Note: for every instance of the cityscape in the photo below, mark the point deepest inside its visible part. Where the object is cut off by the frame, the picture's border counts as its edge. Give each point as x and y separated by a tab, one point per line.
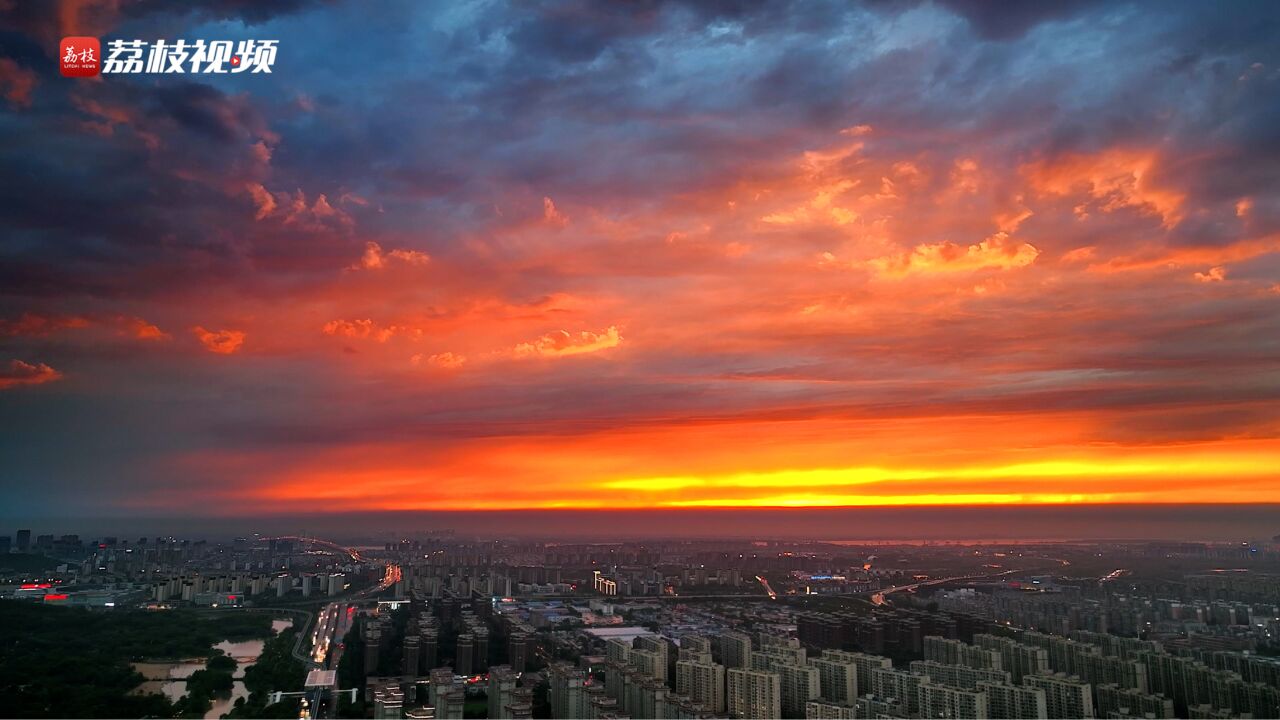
640	359
439	625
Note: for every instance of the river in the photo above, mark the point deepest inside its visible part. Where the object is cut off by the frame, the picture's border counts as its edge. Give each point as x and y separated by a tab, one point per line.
169	678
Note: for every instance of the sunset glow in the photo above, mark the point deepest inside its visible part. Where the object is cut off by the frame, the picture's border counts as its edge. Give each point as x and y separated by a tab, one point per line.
697	260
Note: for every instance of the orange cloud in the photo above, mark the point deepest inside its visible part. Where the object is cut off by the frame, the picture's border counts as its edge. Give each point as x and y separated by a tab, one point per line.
447	360
375	259
824	180
366	329
1114	179
964	176
32	325
551	215
22	373
1080	254
263	200
223	342
1161	257
143	330
1214	274
998	251
561	343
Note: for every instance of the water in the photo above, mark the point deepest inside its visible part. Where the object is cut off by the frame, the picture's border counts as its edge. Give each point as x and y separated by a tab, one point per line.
169	679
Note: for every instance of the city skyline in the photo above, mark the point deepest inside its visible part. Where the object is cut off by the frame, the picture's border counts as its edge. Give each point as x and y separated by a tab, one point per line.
642	257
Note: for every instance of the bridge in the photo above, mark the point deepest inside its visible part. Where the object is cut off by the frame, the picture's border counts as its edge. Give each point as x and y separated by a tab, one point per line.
348	551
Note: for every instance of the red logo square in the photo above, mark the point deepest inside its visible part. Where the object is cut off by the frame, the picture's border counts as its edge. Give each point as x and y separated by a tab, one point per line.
80	56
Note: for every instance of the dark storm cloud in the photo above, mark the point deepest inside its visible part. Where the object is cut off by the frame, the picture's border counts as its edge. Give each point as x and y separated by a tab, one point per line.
1009	20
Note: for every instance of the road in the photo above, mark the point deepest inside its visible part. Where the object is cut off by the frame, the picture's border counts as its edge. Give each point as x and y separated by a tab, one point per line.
769	590
327	642
879	599
332	625
390	576
351	552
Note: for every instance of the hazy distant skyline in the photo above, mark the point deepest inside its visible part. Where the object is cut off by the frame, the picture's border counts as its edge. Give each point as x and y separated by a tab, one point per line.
1049	523
469	256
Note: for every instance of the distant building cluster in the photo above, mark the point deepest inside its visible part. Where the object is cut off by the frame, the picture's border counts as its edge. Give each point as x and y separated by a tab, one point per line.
441	627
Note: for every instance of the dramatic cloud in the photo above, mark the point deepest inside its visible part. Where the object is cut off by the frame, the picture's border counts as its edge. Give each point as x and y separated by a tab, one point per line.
561	342
367	329
1108	182
997	251
144	330
375	259
223	342
861	253
31	324
1214	274
445	360
22	373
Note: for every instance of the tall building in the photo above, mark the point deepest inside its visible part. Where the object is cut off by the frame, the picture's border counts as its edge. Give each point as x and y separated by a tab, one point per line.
1019	659
409	664
23	542
1015	702
735	649
865	664
1098	669
1065	695
696	643
429	646
618	650
837	679
940	701
518	651
447	696
954	652
372	647
753	694
959	676
388	702
464	654
1114	700
501	690
826	710
650	663
702	682
897	686
655	644
800	684
567	694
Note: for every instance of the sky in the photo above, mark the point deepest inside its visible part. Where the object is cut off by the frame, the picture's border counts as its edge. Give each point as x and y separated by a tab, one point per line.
490	256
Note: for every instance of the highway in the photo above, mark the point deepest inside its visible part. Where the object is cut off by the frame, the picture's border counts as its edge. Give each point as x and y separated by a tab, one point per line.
332	625
327	642
348	551
879	598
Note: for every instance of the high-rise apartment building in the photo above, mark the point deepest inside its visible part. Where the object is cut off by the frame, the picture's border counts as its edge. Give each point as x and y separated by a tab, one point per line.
753	694
1066	696
1015	702
837	679
735	649
702	682
800	684
940	701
